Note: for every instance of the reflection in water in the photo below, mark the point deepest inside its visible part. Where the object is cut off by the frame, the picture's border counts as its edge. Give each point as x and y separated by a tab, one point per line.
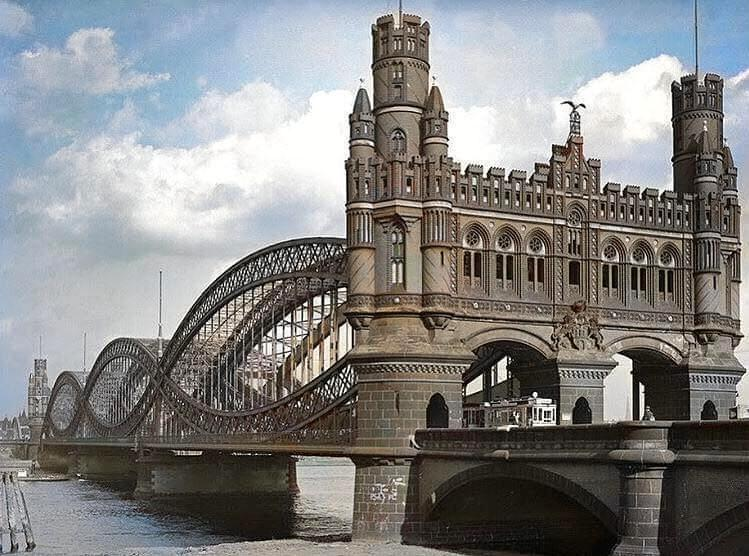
80	517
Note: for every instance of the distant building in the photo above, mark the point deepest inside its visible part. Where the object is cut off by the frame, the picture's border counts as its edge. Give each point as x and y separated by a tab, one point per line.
38	397
16	428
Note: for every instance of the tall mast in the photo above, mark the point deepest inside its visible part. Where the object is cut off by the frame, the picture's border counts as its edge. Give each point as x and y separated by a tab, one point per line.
161	343
696	45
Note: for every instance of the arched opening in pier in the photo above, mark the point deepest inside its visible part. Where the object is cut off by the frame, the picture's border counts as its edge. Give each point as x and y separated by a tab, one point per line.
498	512
641	383
581	413
709	412
500	372
438	415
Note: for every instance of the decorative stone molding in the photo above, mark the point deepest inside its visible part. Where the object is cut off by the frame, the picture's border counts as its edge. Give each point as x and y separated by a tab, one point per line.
435	321
583	374
360	322
578	330
411	367
702	378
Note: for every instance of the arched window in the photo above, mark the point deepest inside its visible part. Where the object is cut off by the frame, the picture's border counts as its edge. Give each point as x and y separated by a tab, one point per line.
666	278
398	141
638	275
610	272
535	259
438	415
398	256
397	72
473	245
709	412
582	414
574	249
505	262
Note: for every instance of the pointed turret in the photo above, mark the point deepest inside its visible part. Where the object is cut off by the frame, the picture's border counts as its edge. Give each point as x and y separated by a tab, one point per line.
362	127
435	125
361	104
434	102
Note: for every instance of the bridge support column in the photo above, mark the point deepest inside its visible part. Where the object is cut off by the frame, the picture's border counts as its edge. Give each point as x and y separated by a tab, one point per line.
164	473
56	459
102	464
643	458
639	520
385	495
573	380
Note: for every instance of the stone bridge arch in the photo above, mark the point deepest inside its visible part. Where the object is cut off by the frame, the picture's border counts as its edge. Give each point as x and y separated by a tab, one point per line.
724	535
522	337
633	346
658	369
441	486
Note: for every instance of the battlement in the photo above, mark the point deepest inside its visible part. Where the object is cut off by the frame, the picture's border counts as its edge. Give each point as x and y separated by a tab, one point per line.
405	36
693	94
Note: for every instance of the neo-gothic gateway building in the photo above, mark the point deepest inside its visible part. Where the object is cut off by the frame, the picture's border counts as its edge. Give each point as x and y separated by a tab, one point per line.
452	268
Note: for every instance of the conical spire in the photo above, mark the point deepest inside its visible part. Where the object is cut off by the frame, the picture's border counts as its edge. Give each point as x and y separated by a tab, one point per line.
361	104
434	102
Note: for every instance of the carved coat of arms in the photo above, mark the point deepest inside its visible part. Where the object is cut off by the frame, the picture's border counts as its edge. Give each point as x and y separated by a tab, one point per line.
578	330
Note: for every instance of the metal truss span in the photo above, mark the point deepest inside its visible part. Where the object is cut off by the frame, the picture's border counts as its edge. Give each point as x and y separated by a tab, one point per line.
260	354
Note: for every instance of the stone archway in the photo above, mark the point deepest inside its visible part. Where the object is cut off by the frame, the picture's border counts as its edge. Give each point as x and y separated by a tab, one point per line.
518	507
497	372
725	535
656	363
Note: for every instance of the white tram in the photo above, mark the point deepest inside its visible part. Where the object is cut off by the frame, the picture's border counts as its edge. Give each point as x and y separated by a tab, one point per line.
528	411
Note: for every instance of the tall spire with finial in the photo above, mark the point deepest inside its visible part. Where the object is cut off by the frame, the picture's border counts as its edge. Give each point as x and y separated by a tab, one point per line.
696	45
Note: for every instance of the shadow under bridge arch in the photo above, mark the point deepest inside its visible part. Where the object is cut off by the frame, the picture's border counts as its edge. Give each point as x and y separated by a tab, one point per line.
518	507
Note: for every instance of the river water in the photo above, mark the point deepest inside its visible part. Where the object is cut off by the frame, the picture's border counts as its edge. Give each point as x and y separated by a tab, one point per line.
81	517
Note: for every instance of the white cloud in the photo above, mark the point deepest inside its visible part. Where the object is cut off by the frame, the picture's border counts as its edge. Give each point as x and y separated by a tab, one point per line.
89	63
627	125
14	20
255	107
627	108
116	190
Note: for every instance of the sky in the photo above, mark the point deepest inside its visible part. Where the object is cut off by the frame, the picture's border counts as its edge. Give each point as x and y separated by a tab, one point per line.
179	135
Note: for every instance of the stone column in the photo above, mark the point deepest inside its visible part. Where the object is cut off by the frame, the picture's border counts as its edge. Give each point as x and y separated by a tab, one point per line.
393	398
643	457
565	379
384	500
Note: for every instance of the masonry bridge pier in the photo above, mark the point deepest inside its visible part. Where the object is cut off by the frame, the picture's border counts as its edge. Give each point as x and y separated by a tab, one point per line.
454	283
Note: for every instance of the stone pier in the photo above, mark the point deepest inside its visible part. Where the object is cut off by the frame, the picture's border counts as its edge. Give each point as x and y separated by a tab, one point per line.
168	473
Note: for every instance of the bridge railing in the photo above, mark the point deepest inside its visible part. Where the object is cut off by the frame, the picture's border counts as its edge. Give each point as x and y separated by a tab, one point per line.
676	436
730	435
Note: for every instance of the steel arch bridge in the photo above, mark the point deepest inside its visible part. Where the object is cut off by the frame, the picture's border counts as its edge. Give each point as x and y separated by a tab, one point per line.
260	356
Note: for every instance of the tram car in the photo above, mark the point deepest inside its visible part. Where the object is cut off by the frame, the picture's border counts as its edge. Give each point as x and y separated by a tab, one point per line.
527	411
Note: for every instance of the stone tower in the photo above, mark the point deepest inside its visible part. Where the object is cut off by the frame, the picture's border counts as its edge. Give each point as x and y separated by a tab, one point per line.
408	361
38	397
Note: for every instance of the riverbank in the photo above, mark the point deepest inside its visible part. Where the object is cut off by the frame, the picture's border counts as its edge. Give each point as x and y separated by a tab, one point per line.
309	548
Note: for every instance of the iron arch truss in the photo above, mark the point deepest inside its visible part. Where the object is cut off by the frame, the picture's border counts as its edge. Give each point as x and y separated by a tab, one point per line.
261	354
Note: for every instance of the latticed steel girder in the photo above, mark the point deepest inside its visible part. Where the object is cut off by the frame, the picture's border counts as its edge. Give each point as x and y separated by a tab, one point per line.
244	319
